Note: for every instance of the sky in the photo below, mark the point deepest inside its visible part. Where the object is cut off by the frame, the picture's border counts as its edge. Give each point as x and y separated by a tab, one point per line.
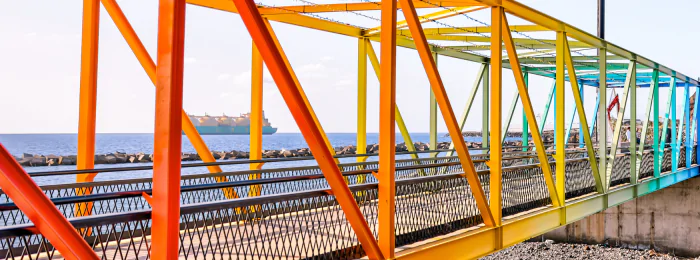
40	65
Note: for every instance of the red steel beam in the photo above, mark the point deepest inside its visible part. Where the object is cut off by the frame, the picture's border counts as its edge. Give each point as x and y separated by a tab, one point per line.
29	198
168	130
302	115
446	108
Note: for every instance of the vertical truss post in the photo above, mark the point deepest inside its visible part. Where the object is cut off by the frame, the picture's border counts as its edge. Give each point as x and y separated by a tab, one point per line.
88	100
583	121
688	124
629	83
496	145
603	117
657	149
529	112
387	130
526	136
674	132
446	108
29	198
633	128
149	67
485	108
560	119
272	56
695	123
581	143
463	120
256	117
168	130
433	117
361	99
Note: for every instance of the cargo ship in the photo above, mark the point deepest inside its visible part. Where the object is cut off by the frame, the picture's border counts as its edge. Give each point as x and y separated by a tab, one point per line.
228	125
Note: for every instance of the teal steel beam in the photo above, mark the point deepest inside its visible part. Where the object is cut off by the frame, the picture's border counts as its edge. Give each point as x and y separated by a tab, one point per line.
681	127
573	117
525	135
695	122
657	149
667	114
463	120
550	97
651	100
580	126
674	133
595	116
508	119
687	126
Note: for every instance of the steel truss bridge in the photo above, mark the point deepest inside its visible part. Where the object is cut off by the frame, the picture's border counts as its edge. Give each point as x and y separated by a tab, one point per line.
455	203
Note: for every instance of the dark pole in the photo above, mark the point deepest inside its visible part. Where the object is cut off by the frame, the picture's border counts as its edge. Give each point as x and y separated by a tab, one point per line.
601	19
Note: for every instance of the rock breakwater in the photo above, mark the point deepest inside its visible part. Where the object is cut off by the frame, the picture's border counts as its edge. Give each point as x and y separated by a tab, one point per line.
29	160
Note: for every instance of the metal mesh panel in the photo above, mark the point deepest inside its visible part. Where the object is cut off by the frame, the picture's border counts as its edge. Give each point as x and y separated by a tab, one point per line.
620	171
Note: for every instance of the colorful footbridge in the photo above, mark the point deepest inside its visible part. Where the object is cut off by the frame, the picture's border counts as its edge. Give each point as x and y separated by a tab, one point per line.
455	203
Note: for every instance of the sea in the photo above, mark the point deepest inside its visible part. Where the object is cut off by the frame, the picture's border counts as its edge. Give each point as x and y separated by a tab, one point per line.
66	144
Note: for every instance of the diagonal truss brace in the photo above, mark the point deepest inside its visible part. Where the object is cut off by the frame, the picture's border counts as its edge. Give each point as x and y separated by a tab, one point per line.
576	90
630	81
443	101
281	73
463	119
530	114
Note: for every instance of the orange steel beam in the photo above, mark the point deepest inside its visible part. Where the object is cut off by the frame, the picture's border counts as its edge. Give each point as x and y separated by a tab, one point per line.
300	89
387	130
281	73
168	130
446	109
529	112
495	142
351	7
149	66
29	198
256	117
88	100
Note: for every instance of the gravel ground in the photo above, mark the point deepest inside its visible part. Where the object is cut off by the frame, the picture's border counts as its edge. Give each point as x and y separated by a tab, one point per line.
550	250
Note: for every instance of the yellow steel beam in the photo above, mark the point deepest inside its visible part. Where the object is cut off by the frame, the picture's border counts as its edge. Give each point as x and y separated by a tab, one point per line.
518	9
629	83
149	66
301	91
353	7
559	112
476	29
525	43
361	99
530	115
583	121
387	132
447	113
256	117
450	12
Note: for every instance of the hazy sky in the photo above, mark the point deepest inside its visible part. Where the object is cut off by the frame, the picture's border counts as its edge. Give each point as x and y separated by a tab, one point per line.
40	65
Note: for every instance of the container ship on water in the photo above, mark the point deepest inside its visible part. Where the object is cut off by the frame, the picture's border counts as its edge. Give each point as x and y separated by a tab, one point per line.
228	125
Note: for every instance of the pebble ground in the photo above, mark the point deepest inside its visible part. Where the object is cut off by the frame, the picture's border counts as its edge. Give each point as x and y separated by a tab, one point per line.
550	250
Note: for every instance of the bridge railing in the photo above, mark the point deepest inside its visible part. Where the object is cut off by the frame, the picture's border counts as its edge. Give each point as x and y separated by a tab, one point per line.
308	223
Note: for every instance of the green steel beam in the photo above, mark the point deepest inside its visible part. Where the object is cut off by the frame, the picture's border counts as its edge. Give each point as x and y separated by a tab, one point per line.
602	117
633	128
667	114
525	135
485	108
433	117
680	131
508	119
657	150
629	82
463	120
